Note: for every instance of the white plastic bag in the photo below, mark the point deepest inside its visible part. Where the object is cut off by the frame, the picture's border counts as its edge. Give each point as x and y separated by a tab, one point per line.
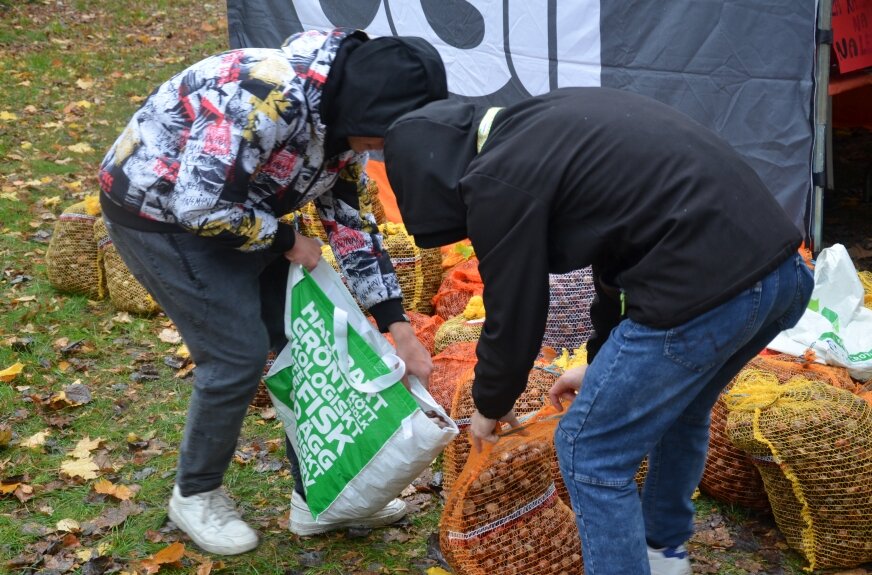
836	325
360	436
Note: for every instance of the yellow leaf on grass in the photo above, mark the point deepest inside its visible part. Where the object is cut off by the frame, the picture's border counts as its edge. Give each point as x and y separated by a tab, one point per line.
120	492
85	446
68	525
11	372
80	148
7	116
51	202
170	554
36	440
85	83
10	487
5	434
80	468
437	571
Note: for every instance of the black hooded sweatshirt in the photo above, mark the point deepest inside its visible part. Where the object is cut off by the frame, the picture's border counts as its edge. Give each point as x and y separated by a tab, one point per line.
666	212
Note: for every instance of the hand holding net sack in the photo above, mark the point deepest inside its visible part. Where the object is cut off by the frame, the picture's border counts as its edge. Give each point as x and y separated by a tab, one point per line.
534	398
504	515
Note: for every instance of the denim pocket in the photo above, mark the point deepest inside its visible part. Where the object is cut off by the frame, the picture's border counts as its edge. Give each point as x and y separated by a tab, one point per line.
709	339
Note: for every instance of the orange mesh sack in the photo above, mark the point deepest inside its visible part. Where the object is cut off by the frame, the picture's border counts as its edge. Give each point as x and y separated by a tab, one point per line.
812	444
459	285
125	291
456	254
425	328
504	515
419	271
71	258
463	327
534	398
449	368
570	296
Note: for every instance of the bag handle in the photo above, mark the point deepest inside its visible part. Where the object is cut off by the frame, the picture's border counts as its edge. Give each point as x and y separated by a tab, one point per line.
340	349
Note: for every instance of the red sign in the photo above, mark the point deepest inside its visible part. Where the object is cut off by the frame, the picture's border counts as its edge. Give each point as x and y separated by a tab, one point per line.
852	34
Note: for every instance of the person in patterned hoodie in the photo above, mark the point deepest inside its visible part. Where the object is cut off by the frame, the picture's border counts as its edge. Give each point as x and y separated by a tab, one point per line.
193	192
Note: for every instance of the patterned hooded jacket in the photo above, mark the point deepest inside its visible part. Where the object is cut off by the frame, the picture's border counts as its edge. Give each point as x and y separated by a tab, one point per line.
229	145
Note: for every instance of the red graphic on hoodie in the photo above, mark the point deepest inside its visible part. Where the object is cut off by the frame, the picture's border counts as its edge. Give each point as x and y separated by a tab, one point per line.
216	141
166	169
228	71
346	240
280	165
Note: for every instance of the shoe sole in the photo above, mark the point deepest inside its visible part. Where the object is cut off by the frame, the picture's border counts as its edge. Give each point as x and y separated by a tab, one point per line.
316	529
215	549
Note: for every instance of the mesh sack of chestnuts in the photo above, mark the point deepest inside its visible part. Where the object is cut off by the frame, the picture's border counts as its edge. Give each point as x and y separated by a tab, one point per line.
463	327
812	444
449	368
570	295
534	398
425	327
419	270
730	476
503	514
71	258
125	291
460	284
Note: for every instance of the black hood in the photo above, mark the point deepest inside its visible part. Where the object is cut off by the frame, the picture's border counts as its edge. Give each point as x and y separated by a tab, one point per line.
374	82
427	153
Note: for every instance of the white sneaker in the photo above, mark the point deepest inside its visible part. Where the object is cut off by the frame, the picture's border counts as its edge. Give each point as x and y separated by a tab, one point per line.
669	561
303	524
212	521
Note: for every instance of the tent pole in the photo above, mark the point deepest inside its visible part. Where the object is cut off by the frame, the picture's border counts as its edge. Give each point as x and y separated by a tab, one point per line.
821	123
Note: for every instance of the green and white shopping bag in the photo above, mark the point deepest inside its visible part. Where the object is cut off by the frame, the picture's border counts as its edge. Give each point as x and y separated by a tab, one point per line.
360	435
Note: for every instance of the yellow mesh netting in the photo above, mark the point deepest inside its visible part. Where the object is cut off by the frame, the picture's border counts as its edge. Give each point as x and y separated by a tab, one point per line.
504	515
71	258
419	270
812	443
460	284
125	291
866	280
465	326
730	475
309	222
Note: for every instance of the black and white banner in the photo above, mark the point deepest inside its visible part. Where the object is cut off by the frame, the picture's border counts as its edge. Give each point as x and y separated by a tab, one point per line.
744	68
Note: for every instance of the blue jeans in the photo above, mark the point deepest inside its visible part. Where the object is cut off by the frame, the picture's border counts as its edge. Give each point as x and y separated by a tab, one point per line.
649	392
228	306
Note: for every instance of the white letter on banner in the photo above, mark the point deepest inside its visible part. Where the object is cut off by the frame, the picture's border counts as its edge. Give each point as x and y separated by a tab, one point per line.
578	43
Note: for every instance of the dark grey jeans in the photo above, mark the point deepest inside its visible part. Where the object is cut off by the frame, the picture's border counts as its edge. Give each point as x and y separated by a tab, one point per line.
228	306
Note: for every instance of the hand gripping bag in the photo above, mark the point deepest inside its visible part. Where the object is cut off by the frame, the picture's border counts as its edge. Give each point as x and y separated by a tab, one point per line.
360	435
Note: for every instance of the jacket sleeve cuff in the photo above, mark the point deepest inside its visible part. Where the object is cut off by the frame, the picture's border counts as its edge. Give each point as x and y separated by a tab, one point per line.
285	238
387	312
492	407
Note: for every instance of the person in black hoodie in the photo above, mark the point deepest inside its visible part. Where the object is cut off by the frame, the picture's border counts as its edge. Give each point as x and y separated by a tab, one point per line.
193	193
696	270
